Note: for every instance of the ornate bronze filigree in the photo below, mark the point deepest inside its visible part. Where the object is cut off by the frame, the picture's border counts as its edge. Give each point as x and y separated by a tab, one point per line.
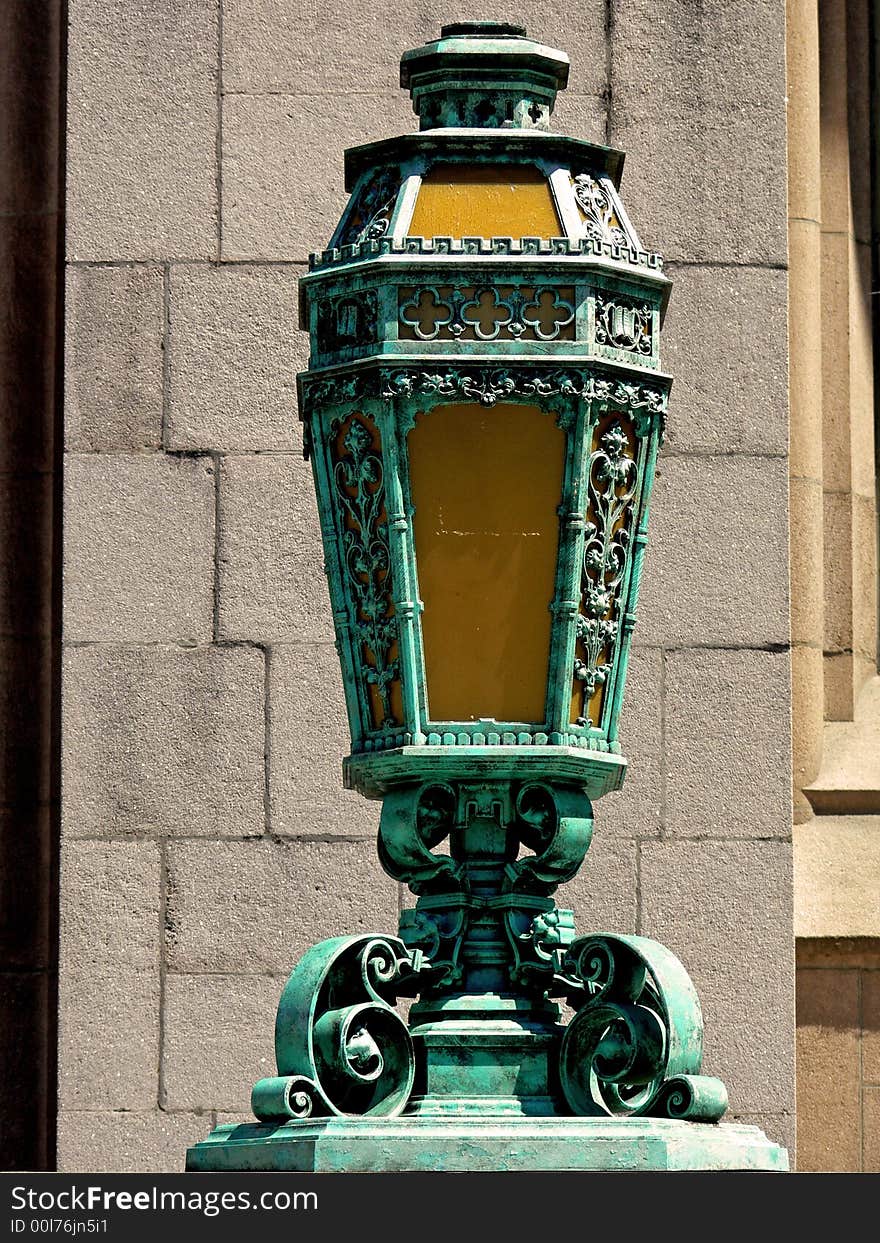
600	220
348	321
369	217
340	1047
358	477
487	313
635	1045
624	325
612	481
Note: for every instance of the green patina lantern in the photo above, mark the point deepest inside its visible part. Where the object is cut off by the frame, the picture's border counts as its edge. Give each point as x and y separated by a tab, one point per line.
483	410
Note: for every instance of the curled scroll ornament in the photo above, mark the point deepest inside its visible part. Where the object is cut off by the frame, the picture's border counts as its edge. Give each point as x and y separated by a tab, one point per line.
341	1048
635	1046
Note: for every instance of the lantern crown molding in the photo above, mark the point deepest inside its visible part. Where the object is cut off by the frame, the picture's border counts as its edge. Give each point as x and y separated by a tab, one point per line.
484	75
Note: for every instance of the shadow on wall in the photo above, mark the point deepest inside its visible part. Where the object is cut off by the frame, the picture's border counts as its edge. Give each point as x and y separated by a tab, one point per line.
31	102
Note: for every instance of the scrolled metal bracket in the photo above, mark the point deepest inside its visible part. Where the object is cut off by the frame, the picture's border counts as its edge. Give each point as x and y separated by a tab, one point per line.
635	1045
341	1048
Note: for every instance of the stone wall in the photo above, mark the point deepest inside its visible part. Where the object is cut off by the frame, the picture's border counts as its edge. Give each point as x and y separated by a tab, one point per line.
206	839
838	1053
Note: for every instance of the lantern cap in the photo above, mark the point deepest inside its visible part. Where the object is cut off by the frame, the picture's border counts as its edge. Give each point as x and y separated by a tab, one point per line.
484	75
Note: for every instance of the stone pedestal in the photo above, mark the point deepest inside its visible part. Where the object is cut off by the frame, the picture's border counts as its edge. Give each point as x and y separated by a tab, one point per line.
487	1144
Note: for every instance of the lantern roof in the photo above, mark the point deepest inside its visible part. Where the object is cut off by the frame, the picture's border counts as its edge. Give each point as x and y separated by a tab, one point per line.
484	75
506	146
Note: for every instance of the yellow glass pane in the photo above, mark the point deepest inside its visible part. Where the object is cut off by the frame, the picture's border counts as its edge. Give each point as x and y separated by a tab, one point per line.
486	487
473	200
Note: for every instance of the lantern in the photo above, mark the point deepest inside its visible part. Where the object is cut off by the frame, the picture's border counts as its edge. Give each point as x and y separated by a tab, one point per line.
483	409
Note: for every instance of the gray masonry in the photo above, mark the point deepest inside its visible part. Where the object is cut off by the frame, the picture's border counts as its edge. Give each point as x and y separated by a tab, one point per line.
206	836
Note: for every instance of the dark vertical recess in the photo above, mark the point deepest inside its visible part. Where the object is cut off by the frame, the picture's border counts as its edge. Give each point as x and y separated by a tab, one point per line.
874	87
608	93
31	303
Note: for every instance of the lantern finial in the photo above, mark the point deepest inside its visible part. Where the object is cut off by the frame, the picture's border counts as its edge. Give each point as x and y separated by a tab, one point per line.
484	75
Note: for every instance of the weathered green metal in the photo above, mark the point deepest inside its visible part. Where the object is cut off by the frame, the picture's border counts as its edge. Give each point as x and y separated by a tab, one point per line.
464	1144
483	819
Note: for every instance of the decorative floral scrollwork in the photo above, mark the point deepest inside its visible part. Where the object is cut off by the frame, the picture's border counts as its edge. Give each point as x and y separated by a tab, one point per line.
360	488
487	313
491	385
601	223
413	822
613	479
624	325
370	215
340	1047
557	824
635	1046
347	321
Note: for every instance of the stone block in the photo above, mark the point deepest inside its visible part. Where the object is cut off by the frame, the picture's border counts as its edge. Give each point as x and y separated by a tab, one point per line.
805	348
835	89
807	719
26	1059
163	740
728	745
635	810
704	130
724	341
807	562
838	566
272	585
108	1038
243	907
839	680
139	548
725	909
837	378
283	186
871	1027
828	1070
308	737
716	571
864	596
25	555
26	713
837	877
804	170
115	321
276	45
603	894
219	1039
581	116
153	1142
871	1130
110	906
234	351
141	144
25	863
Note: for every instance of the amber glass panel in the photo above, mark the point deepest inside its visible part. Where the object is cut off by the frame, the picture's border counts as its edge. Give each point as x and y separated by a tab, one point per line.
471	200
486	486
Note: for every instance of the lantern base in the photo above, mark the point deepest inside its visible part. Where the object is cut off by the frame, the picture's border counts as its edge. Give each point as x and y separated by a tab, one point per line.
487	1143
